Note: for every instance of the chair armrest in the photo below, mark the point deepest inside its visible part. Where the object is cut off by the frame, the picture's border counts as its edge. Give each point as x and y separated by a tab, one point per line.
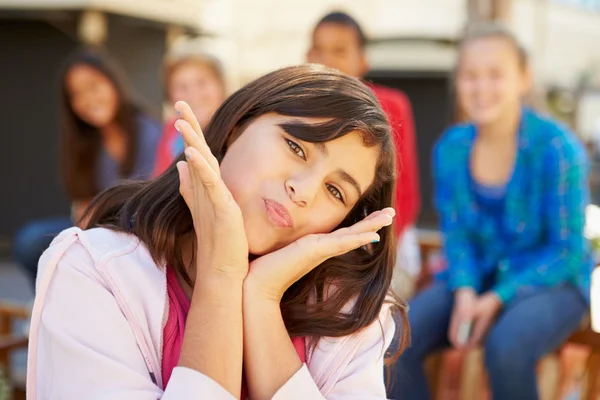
14	311
10	343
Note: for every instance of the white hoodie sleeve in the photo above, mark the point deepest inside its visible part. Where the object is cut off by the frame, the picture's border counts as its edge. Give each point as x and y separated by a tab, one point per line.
82	346
347	368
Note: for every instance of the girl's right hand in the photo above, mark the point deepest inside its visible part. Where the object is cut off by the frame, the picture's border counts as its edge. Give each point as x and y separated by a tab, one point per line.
222	247
461	320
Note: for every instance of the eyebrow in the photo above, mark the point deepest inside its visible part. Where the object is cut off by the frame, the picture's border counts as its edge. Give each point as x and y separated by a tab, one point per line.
348	178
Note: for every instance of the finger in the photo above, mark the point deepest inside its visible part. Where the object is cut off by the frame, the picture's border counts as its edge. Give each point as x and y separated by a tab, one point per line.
319	248
388	211
216	190
372	223
480	327
186	188
452	330
329	245
193	140
185	182
385	215
184	111
455	322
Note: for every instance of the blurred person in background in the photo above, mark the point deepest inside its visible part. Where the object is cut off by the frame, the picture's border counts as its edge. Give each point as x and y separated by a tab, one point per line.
105	137
339	42
198	80
594	151
511	191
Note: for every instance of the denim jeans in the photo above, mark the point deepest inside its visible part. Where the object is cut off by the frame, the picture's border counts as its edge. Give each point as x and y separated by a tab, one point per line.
530	326
32	239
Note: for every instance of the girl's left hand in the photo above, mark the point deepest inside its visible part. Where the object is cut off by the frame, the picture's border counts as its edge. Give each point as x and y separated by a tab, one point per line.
486	309
272	274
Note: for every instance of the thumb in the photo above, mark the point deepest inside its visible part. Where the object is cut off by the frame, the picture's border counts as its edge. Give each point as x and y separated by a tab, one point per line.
185	182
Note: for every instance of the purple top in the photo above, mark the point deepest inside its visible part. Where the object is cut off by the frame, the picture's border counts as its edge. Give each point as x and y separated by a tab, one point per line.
149	133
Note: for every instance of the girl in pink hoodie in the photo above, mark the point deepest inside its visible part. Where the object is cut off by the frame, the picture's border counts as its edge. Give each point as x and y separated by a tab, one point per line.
257	267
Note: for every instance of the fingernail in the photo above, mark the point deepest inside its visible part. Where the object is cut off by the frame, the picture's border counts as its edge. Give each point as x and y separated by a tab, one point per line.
177	127
375	240
188	154
178	113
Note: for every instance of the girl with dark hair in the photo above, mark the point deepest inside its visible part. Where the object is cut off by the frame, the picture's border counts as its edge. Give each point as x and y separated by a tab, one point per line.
105	137
282	209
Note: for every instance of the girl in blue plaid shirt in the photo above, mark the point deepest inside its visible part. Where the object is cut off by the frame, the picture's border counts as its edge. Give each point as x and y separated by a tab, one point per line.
511	190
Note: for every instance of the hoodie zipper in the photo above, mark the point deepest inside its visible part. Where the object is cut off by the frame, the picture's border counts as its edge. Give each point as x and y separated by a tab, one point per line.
153	369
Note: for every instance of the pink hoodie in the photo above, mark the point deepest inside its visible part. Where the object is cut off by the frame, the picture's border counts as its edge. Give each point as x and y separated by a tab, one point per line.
97	324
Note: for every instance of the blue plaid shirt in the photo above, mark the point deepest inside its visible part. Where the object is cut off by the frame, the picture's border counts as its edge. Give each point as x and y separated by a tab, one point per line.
539	242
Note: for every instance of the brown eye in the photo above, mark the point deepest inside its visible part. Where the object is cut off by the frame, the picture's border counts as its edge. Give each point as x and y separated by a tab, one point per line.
295	147
335	192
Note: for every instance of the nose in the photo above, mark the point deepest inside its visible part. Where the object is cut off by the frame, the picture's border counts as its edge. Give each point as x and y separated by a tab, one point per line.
482	85
302	189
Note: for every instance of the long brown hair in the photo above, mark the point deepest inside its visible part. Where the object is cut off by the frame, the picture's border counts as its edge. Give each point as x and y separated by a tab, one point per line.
80	141
156	213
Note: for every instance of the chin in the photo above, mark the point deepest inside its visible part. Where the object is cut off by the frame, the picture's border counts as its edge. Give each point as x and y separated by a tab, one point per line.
259	243
260	247
484	116
262	238
98	122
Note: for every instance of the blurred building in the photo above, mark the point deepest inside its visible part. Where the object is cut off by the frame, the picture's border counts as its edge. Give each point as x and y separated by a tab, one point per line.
413	47
35	38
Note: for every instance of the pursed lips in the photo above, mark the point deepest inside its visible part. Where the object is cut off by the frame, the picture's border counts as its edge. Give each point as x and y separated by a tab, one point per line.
278	214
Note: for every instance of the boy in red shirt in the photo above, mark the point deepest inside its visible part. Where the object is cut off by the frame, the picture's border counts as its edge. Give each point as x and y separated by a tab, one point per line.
339	42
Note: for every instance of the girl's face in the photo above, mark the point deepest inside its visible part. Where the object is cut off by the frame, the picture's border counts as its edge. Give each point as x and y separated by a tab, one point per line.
93	97
287	188
198	86
490	80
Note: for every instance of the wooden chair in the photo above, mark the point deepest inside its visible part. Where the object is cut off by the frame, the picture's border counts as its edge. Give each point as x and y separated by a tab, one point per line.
10	342
587	337
472	371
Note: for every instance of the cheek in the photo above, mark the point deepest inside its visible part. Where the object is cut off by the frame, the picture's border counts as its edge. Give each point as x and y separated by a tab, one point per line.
238	180
79	108
464	88
323	219
241	172
215	95
110	99
517	91
505	91
176	94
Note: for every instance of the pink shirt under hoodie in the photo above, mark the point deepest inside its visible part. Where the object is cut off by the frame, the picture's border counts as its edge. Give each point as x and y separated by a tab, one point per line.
97	333
173	332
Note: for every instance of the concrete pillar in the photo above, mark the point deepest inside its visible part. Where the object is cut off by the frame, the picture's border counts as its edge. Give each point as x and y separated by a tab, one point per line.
174	34
92	28
489	10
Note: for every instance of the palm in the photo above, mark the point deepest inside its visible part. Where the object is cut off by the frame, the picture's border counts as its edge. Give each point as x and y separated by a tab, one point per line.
275	272
286	265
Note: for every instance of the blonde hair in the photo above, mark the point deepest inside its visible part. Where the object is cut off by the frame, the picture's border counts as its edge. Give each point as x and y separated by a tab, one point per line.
177	59
489	30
